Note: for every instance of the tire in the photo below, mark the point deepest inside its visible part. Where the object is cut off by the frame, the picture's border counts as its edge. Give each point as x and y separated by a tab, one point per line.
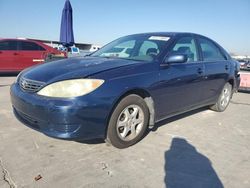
128	122
224	98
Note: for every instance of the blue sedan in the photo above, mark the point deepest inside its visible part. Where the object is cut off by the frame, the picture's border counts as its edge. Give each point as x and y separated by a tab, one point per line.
128	85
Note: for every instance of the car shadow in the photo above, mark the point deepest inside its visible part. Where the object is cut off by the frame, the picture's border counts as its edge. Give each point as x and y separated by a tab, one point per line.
154	128
5	85
92	141
2	74
244	91
174	118
185	167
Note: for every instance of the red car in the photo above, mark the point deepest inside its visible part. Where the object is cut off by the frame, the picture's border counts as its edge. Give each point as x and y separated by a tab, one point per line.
18	54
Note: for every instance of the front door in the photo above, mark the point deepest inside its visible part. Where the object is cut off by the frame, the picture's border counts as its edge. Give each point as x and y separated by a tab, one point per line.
180	83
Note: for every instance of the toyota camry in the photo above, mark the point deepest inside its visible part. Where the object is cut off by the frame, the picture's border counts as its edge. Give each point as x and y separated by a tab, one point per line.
117	92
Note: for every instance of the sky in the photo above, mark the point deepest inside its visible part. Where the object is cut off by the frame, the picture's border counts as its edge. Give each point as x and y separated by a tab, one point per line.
99	22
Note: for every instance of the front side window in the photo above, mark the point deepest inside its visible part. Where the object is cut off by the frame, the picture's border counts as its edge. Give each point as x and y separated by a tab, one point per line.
30	46
8	45
210	51
186	46
134	47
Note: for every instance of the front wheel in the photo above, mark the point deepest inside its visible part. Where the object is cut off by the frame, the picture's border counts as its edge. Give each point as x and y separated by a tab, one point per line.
224	98
128	122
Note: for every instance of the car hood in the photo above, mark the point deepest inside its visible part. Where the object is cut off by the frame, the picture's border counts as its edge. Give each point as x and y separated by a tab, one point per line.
73	68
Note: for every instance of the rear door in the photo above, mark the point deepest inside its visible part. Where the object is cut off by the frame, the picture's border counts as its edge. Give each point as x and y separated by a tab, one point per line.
8	55
180	83
30	54
216	69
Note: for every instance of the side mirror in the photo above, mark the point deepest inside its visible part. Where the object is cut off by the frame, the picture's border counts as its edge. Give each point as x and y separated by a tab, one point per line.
180	58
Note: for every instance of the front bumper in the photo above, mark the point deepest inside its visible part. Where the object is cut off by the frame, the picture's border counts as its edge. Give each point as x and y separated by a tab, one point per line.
73	119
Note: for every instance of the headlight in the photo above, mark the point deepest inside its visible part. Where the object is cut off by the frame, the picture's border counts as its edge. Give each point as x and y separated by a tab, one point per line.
71	88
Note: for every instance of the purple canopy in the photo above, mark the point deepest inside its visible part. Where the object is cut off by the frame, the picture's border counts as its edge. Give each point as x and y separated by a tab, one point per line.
66	34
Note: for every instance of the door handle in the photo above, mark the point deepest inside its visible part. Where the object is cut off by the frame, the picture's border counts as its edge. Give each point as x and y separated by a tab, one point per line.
15	53
226	67
1	52
199	70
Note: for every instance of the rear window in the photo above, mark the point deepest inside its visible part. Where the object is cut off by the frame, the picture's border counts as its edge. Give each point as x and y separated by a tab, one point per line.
8	45
30	46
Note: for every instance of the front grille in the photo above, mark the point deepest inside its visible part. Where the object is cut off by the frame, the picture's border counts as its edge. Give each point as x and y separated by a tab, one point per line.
30	85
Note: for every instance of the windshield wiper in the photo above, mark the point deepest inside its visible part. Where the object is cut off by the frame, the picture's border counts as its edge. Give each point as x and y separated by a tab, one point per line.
115	57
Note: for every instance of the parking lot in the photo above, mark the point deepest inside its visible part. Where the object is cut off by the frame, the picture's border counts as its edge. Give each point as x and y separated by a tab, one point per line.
201	148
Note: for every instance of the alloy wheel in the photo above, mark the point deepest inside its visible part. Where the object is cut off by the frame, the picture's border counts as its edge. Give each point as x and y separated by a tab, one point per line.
130	122
225	97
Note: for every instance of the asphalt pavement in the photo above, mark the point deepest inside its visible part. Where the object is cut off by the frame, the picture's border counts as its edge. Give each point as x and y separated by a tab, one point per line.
201	148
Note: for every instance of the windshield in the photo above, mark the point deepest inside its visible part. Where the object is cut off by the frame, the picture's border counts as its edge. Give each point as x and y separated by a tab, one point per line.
134	47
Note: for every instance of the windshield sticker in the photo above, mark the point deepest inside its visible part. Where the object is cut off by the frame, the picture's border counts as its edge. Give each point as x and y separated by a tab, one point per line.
162	38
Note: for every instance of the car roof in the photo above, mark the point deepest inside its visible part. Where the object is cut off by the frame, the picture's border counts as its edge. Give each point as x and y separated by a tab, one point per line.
169	34
19	39
24	39
28	40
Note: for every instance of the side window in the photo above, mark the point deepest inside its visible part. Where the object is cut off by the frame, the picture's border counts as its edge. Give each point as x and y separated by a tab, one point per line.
8	45
210	51
30	46
149	48
186	45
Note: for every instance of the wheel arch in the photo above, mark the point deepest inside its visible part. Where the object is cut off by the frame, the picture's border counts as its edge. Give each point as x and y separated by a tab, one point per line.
145	95
232	82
